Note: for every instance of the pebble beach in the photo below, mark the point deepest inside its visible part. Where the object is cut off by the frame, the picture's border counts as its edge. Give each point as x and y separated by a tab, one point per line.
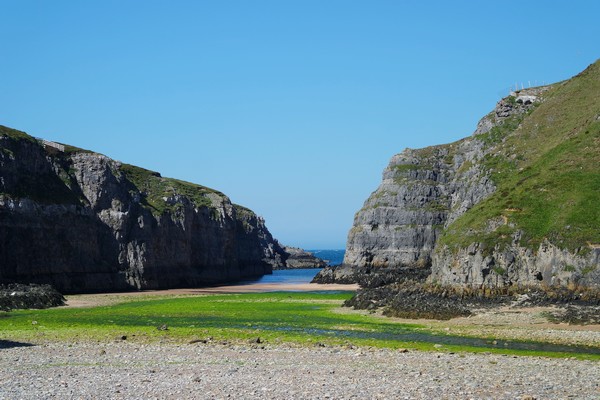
124	370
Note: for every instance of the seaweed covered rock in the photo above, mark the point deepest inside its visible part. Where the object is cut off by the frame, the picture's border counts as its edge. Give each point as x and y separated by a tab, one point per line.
413	299
409	300
577	315
337	274
18	296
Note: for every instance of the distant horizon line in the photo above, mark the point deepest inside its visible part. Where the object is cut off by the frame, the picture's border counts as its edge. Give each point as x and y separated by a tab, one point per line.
309	249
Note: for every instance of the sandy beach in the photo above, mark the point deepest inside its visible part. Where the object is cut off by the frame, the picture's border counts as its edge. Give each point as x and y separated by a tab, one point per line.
90	300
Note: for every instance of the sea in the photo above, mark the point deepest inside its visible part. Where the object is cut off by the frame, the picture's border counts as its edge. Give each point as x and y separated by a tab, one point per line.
333	257
300	275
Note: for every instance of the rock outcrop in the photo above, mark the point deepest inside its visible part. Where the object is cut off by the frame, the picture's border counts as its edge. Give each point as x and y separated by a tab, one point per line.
18	296
83	222
298	258
516	203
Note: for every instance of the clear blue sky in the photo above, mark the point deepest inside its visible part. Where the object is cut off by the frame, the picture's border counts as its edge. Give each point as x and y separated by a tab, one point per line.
291	108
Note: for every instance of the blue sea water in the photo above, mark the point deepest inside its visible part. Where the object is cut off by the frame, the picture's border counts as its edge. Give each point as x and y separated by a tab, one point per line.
288	276
334	257
301	275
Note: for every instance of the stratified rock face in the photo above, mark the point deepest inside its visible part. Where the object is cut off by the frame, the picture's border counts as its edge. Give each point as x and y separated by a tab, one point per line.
422	191
487	211
85	223
508	265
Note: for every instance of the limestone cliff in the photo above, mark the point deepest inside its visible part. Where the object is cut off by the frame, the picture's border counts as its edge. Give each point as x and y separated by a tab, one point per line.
516	203
83	222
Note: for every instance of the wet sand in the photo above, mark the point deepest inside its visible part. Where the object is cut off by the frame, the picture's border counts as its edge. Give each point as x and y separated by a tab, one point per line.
91	300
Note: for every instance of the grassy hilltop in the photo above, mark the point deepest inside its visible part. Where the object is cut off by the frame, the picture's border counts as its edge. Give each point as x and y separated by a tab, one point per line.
546	166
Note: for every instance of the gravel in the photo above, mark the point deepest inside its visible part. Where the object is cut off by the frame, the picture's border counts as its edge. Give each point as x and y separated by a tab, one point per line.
123	370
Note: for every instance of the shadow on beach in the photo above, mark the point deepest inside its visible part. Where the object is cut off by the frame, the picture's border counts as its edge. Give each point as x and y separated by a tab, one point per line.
9	344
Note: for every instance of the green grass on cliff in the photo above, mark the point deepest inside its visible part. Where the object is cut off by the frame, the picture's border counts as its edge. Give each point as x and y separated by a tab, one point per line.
282	317
19	135
51	187
547	173
155	189
15	134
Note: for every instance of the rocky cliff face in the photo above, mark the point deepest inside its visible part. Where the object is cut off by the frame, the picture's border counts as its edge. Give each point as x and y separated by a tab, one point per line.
516	203
83	222
501	266
422	190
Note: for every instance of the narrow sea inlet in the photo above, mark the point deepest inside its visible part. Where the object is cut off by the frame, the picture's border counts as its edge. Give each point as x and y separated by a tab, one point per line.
298	276
285	277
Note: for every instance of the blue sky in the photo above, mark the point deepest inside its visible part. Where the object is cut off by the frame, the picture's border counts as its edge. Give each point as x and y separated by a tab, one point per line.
291	108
